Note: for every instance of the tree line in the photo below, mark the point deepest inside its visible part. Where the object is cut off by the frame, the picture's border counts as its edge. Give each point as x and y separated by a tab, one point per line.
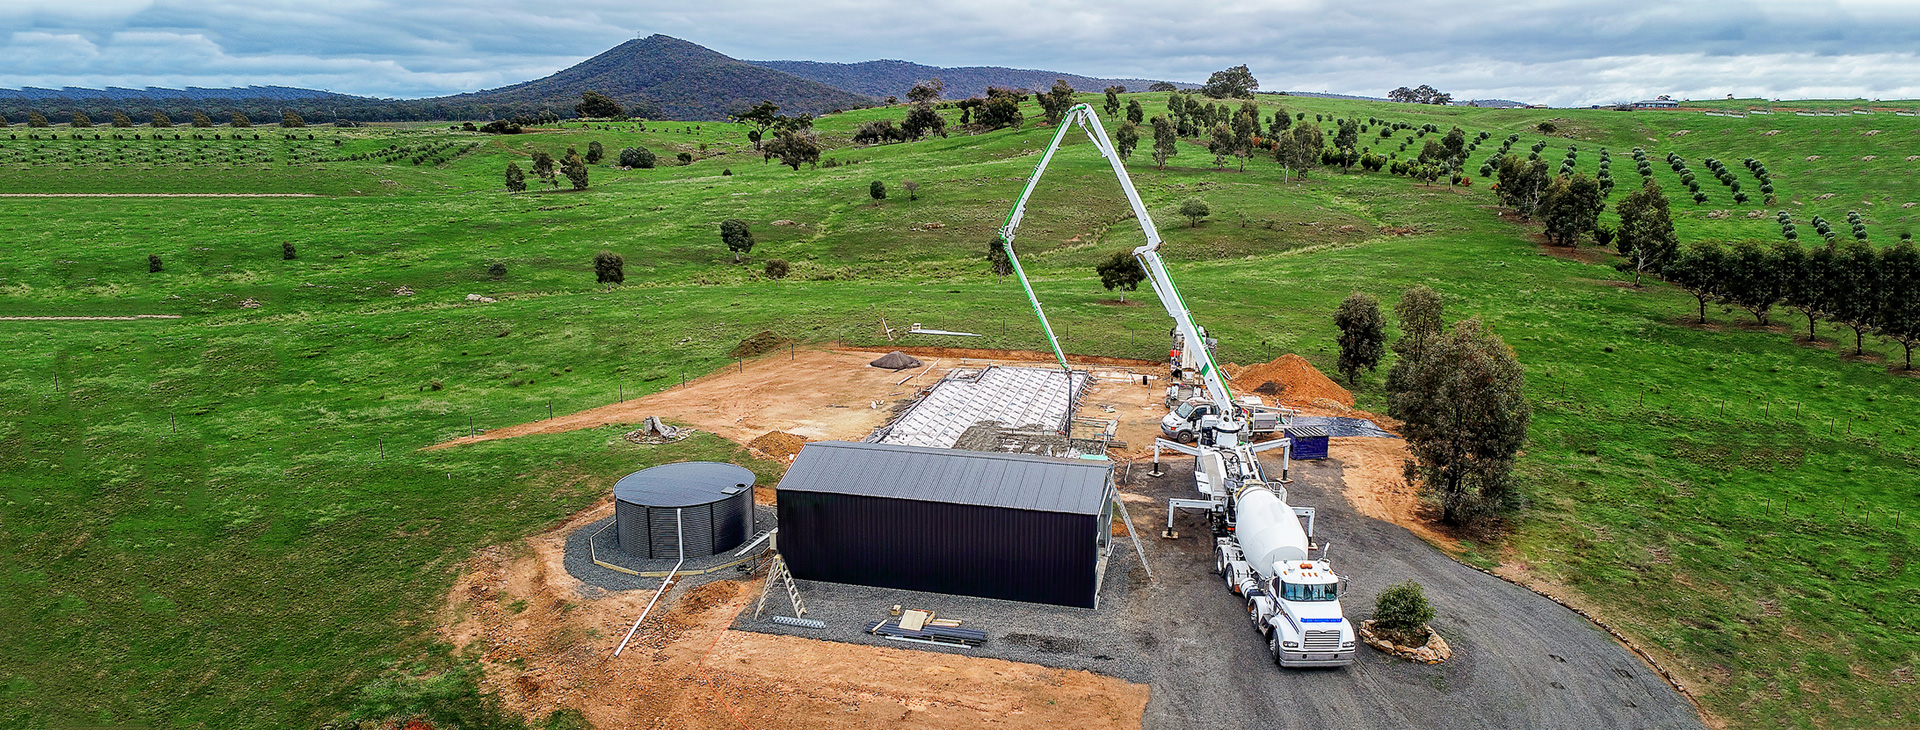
1844	281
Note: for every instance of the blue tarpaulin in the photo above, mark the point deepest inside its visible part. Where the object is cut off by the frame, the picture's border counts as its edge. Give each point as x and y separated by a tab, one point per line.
1337	426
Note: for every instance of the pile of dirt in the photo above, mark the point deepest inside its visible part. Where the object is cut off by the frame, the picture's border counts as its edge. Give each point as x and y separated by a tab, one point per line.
896	360
759	344
1290	379
778	445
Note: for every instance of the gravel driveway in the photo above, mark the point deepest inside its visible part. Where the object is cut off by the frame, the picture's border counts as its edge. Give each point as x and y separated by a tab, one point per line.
1519	661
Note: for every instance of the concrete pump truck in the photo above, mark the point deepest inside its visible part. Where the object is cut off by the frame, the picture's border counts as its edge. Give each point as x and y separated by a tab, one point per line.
1263	547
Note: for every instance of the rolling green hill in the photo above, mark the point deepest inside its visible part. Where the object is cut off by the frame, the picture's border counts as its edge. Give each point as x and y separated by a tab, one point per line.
223	520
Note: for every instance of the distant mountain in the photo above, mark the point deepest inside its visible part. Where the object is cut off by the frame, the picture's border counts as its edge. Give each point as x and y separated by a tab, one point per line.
667	78
881	79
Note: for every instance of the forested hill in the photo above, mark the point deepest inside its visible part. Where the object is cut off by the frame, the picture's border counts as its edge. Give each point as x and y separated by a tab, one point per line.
152	93
893	78
657	77
668	78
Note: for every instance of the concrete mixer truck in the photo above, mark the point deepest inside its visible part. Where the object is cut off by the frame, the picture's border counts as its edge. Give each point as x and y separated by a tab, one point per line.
1261	547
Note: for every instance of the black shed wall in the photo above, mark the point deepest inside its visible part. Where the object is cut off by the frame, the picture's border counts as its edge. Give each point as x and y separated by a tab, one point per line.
939	547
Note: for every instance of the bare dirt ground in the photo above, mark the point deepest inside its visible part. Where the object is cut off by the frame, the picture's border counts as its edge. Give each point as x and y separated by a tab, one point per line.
816	395
546	640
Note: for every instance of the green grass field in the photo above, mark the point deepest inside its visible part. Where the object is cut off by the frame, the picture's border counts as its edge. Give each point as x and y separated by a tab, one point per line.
223	521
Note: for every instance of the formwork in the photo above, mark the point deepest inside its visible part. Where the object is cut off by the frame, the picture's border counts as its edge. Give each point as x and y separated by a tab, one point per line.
1007	401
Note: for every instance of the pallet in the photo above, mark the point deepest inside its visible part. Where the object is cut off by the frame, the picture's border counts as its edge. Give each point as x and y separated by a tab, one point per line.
950	636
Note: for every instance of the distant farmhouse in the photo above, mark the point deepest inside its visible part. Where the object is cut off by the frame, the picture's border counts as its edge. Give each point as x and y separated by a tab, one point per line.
1664	102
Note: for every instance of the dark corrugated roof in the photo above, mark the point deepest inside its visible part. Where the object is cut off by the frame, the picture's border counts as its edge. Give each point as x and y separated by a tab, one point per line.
683	484
944	475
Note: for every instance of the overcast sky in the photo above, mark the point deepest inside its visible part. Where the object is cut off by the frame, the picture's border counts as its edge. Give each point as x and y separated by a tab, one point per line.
1562	52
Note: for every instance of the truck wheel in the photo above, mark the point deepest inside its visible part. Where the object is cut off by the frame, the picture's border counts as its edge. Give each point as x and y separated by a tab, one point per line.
1253	616
1273	645
1185	437
1219	561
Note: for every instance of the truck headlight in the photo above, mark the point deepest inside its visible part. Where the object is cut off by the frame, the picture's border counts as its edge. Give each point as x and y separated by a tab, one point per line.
1348	644
1290	644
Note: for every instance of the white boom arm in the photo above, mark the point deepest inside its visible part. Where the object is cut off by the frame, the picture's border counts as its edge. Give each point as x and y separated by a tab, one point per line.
1089	121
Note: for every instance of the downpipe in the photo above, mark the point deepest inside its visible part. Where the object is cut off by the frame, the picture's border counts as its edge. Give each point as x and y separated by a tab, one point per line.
680	535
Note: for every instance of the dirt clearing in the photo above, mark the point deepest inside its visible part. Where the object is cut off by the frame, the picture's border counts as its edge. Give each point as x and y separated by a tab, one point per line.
817	395
546	641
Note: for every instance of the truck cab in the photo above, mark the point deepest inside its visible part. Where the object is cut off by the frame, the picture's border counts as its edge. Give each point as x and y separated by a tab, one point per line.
1307	627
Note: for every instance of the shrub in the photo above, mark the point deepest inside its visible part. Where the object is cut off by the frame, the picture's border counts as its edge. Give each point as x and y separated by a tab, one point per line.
498	270
777	269
637	157
1402	613
609	267
153	264
878	190
685	158
287	253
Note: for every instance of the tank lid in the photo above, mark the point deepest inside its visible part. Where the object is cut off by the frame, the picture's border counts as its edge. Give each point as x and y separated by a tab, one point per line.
684	484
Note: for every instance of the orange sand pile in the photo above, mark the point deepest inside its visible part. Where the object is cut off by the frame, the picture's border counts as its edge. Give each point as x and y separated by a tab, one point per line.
1292	380
778	445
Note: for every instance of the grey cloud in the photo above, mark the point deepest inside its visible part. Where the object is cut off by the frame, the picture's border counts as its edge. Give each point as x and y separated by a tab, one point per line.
1555	51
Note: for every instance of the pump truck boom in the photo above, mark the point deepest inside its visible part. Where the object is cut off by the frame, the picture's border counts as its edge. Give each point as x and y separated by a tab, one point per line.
1261	547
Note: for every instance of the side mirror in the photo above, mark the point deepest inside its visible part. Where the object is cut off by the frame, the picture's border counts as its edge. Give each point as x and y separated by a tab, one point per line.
1343	585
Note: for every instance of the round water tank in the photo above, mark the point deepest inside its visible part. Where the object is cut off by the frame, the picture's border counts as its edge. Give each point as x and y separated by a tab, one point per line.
701	507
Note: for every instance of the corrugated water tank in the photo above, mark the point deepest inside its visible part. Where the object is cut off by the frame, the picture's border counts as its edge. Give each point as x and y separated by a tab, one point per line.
705	505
